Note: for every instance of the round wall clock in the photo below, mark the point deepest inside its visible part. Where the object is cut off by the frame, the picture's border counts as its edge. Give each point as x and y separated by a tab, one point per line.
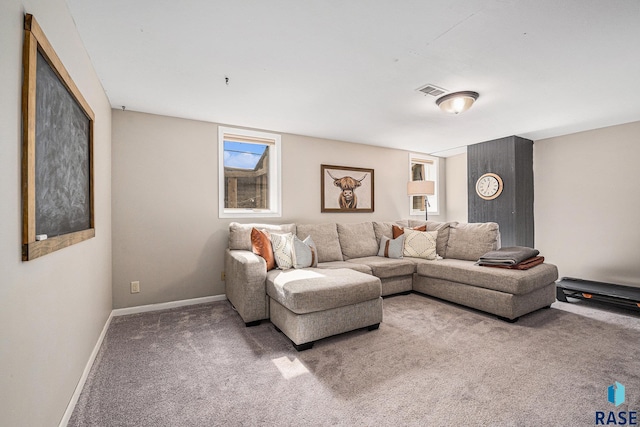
489	186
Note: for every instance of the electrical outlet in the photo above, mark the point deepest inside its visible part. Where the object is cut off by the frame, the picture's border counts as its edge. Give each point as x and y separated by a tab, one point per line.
135	287
222	276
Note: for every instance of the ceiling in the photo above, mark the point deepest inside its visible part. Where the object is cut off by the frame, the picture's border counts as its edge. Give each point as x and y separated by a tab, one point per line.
349	69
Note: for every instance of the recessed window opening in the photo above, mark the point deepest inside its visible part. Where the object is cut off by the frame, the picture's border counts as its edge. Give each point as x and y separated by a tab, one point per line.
423	168
249	173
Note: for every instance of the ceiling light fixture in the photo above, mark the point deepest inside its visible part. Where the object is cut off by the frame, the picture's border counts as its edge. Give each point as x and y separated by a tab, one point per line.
457	102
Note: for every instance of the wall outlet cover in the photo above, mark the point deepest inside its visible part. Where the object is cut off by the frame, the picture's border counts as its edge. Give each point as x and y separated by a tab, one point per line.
135	287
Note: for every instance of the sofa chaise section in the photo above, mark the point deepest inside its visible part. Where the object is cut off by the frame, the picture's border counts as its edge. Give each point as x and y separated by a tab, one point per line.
313	303
506	293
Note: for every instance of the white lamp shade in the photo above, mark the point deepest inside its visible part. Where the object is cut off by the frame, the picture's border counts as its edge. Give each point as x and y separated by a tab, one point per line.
421	188
457	102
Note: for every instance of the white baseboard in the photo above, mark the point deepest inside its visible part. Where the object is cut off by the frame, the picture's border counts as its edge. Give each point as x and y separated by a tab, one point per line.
76	393
121	312
166	305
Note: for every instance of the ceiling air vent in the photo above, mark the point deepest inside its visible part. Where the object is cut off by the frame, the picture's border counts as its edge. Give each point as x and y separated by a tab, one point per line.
431	90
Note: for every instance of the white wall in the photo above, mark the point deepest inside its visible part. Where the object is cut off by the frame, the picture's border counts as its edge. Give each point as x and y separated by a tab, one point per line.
587	203
52	309
166	230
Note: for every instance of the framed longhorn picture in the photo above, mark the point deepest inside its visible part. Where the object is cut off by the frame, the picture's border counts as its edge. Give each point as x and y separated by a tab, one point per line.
346	189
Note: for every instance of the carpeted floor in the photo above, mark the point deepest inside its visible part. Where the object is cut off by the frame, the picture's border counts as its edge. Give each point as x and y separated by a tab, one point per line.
431	363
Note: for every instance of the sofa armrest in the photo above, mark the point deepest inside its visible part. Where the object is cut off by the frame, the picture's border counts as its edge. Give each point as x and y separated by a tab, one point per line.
245	275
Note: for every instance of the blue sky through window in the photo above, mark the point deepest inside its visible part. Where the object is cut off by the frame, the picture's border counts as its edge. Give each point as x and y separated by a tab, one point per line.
242	155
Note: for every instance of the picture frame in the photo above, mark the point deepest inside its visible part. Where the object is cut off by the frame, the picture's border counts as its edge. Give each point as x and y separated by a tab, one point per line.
57	152
346	189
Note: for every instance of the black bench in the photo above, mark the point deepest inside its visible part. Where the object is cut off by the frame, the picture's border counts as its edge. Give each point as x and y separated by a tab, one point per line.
626	296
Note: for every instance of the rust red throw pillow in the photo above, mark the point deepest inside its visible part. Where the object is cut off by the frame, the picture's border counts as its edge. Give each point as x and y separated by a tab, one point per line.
397	231
261	245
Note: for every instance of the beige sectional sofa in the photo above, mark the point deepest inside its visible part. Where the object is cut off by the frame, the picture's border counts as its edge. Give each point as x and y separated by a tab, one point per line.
343	292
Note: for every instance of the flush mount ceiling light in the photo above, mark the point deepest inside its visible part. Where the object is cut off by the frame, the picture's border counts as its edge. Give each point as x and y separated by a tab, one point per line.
457	102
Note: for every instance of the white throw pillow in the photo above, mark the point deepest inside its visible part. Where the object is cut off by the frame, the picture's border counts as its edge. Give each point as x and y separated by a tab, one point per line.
420	244
305	253
282	250
391	248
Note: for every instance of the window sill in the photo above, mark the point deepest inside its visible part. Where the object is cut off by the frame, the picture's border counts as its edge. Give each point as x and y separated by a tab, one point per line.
249	213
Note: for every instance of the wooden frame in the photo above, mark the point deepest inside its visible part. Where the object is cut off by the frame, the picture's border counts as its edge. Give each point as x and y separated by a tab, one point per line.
36	45
346	189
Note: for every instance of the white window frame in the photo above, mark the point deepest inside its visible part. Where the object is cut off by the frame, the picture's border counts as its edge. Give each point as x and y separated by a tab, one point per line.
275	180
432	174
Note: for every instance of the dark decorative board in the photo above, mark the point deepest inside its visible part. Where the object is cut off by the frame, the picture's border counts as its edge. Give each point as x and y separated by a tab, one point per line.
512	159
57	152
62	157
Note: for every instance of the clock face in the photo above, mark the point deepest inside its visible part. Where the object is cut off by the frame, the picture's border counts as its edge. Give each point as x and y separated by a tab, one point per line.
489	186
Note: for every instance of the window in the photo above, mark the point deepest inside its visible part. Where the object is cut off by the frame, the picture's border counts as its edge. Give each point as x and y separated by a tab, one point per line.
249	173
421	168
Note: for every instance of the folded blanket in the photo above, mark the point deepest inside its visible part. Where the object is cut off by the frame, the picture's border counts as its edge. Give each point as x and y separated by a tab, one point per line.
508	256
524	265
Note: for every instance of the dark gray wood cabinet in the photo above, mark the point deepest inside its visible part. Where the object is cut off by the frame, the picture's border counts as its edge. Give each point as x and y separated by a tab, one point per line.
512	159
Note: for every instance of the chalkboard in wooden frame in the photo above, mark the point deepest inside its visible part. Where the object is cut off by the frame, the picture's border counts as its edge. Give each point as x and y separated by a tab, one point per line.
57	151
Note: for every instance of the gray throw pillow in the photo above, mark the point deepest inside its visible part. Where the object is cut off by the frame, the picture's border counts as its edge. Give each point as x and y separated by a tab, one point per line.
391	248
305	253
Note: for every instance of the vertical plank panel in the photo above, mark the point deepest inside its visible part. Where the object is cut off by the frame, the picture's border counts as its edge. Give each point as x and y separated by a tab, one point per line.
512	159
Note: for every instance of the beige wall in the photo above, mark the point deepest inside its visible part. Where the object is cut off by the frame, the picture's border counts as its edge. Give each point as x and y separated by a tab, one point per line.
456	185
166	230
52	308
586	202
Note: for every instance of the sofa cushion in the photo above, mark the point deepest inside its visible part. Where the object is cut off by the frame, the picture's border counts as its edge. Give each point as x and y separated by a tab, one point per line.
382	229
391	248
386	228
443	229
398	231
404	223
471	241
499	279
420	244
240	234
346	264
311	289
326	239
357	240
386	267
261	245
305	253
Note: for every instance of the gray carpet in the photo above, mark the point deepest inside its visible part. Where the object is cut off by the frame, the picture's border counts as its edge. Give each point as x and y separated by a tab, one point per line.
430	363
